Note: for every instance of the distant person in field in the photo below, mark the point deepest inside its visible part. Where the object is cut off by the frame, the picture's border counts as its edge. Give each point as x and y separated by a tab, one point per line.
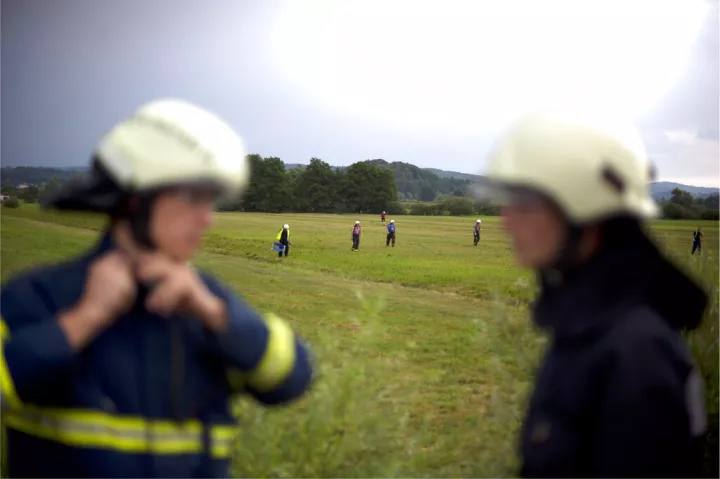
125	361
382	216
390	233
617	394
356	236
697	241
476	233
283	237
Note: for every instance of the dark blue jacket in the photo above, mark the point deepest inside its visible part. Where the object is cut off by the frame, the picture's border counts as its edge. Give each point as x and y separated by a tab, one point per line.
149	397
617	394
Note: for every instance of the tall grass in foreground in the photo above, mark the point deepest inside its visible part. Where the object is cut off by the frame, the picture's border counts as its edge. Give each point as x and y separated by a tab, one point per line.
355	423
338	431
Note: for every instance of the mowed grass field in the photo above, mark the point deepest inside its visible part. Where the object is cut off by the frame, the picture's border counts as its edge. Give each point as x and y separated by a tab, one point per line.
425	351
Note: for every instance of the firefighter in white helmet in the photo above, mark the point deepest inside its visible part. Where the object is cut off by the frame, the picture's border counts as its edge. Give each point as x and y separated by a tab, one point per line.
356	232
476	232
283	237
122	362
617	394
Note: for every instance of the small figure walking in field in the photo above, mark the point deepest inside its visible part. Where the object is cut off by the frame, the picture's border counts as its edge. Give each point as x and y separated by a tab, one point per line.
382	216
476	233
283	237
356	236
697	241
390	233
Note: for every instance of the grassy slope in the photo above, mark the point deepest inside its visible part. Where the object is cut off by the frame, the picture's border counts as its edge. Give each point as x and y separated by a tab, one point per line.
425	349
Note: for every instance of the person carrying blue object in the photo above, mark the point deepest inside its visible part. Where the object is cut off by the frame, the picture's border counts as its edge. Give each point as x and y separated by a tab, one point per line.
283	237
124	361
390	233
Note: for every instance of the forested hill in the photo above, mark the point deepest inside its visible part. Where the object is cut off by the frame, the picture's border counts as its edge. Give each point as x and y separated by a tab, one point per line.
413	183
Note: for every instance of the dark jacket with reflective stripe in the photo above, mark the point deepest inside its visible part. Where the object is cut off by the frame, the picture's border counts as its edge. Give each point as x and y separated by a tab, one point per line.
149	397
616	394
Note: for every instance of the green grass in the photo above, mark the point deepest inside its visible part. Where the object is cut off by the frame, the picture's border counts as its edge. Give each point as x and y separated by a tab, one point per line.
425	350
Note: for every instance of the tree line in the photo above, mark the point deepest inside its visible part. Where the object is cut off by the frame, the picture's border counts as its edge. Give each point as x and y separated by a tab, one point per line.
682	206
369	186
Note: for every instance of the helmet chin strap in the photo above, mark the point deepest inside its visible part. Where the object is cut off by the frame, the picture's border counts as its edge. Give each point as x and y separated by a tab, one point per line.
565	258
139	222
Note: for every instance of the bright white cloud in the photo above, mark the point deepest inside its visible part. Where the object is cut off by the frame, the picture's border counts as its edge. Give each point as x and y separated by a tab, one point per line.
461	66
685	137
695	162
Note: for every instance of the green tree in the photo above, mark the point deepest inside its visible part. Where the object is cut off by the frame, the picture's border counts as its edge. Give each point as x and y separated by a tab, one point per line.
270	186
458	206
253	195
30	194
277	189
368	189
11	202
50	187
316	187
712	202
9	190
427	193
681	197
672	211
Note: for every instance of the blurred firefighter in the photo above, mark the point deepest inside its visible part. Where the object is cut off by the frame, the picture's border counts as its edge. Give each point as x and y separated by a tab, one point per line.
122	362
617	394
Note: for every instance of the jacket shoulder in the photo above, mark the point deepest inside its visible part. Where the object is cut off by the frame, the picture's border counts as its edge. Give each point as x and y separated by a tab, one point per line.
45	289
216	285
643	337
44	274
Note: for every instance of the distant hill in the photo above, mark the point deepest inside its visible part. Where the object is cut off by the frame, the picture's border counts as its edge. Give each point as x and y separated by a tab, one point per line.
413	182
663	190
14	176
453	174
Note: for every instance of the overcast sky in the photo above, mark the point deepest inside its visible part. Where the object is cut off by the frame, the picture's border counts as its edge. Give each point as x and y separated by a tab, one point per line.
427	83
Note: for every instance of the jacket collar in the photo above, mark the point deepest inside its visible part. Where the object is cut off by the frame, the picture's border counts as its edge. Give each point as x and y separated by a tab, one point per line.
582	300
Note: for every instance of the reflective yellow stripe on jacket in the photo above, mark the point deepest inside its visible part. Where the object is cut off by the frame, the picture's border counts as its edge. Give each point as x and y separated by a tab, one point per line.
276	363
8	395
80	428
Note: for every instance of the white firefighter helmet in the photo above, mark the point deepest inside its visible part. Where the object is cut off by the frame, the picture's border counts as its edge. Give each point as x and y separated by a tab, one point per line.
478	221
165	143
168	142
392	221
592	168
286	226
357	222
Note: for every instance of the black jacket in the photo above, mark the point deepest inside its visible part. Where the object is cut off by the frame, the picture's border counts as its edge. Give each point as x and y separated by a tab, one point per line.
616	394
